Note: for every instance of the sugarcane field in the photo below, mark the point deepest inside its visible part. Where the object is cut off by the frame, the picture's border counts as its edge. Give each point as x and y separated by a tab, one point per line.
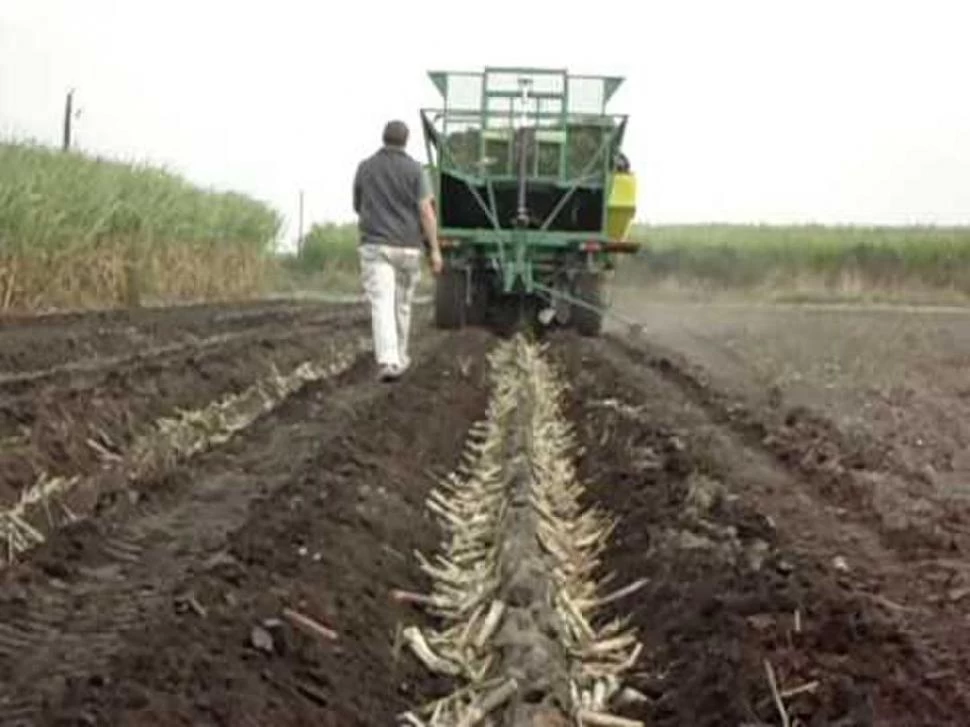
466	388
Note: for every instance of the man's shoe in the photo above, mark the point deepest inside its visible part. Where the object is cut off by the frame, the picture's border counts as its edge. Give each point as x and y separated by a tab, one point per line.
387	372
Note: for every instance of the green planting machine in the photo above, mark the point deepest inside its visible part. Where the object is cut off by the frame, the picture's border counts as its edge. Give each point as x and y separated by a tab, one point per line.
534	197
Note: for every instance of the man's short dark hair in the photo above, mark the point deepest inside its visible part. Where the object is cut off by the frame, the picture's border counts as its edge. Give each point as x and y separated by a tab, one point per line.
396	133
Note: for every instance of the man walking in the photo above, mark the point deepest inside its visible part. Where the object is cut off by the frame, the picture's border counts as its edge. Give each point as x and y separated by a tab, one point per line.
394	203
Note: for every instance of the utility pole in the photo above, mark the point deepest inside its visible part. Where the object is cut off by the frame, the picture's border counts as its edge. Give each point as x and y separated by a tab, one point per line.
299	239
68	115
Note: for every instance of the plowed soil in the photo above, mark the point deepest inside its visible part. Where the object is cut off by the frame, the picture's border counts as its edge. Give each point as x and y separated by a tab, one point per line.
67	417
29	344
794	564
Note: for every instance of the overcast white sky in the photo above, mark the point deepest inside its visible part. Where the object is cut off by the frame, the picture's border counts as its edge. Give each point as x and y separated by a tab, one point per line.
816	111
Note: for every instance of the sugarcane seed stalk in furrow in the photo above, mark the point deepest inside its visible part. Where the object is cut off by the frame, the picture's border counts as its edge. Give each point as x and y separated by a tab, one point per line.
513	586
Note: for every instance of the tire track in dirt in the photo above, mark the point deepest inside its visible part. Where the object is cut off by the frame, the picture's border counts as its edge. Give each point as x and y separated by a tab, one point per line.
173	440
749	563
862	479
105	578
865	478
87	615
70	425
94	584
17	382
39	342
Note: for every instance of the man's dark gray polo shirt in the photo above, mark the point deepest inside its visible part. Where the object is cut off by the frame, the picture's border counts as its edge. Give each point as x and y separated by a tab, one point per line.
388	188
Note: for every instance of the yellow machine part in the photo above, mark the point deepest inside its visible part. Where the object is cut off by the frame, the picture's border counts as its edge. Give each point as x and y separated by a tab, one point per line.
621	206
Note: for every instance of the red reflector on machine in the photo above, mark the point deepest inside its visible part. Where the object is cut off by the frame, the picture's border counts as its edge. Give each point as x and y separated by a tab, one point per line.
591	246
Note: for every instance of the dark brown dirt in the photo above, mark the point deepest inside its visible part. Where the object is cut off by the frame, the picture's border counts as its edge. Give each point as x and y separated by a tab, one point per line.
851	469
318	509
35	343
894	374
769	535
737	539
61	425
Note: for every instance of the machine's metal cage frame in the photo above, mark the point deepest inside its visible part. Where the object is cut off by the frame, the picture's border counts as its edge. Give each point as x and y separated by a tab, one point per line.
494	112
523	163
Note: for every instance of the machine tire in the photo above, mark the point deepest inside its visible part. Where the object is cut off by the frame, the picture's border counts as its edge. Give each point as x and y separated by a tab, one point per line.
589	289
449	299
507	314
476	310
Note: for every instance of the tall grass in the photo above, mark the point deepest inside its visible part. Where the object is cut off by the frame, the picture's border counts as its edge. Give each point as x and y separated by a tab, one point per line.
793	261
76	231
326	260
778	261
329	247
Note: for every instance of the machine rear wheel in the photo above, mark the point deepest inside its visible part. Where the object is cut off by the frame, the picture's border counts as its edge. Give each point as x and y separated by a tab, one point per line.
589	289
449	299
476	310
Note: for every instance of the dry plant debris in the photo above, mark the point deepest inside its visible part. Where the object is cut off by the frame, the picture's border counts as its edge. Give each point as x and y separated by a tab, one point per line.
515	588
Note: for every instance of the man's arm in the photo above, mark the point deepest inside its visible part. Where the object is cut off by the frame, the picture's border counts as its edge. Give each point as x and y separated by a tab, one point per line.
429	223
429	220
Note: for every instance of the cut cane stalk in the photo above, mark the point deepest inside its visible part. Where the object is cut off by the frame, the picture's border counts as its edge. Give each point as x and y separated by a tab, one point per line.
619	594
616	643
417	598
26	527
490	624
309	624
435	708
602	719
489	703
575	613
599	696
612	687
486	665
629	696
469	627
574	631
415	639
632	658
